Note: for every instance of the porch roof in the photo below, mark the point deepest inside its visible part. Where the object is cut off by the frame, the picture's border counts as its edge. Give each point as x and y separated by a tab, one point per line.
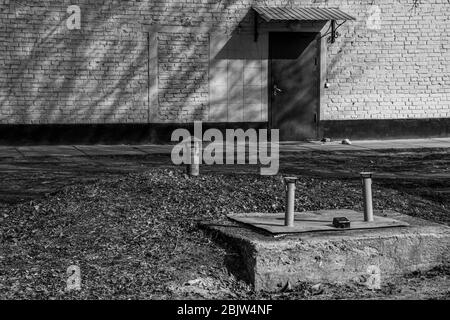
298	14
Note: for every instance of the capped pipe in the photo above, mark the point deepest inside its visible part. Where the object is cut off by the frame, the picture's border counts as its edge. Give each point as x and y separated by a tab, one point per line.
366	178
290	201
193	168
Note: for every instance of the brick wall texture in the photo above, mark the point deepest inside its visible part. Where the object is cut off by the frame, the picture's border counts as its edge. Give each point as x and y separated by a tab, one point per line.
101	73
183	62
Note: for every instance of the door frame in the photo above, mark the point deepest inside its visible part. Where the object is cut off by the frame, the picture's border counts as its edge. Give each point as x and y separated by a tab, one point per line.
320	76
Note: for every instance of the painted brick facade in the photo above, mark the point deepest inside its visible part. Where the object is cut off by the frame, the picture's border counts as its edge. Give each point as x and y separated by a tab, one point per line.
183	62
104	73
398	71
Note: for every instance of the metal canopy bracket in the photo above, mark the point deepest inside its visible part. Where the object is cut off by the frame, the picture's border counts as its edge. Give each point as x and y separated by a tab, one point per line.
301	14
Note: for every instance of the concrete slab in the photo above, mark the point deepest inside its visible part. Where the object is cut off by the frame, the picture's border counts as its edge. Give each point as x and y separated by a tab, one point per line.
313	221
426	143
103	150
317	145
295	148
433	144
445	140
332	147
154	149
285	146
336	257
401	144
49	151
9	152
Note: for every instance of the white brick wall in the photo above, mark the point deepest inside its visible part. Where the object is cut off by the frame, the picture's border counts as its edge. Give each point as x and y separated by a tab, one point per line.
100	74
399	71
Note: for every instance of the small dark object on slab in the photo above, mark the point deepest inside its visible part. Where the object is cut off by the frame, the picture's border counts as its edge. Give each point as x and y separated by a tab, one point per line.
341	222
312	221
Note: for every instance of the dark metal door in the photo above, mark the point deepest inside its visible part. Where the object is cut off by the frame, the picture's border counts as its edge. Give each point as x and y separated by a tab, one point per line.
294	84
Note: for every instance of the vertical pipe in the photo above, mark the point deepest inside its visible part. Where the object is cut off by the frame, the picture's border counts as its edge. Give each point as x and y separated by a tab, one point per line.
367	190
193	167
290	201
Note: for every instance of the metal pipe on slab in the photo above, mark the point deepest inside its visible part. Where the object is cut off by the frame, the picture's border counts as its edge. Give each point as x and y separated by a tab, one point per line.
193	168
367	191
290	201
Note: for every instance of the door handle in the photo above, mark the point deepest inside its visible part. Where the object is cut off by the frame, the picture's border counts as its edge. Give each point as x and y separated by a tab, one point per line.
276	90
315	117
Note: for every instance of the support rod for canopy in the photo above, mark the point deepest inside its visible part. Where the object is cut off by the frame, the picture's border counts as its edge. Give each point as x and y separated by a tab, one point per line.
333	31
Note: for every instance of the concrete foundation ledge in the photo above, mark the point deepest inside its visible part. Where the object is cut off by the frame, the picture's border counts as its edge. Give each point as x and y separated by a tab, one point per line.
335	257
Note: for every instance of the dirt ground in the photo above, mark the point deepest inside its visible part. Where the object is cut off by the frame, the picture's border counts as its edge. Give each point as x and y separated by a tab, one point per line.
130	222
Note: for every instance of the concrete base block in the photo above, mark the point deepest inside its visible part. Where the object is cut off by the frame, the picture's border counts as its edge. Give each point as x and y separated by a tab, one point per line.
331	257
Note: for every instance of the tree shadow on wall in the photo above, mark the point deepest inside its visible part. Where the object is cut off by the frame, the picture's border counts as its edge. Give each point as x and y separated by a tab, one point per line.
94	75
98	74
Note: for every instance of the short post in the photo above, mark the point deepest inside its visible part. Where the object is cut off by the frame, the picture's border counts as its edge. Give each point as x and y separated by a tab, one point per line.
367	190
193	168
290	201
